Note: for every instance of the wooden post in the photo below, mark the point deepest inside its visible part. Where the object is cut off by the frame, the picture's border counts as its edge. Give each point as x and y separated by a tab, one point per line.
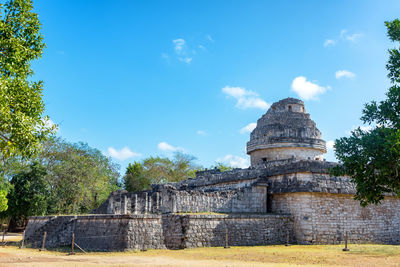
136	204
345	243
43	242
23	240
145	203
2	241
80	248
72	244
287	238
226	237
125	207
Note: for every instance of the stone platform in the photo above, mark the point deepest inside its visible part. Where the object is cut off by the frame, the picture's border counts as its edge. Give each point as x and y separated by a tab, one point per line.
151	231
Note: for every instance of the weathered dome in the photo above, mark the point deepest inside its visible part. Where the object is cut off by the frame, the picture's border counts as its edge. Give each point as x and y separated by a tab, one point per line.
285	131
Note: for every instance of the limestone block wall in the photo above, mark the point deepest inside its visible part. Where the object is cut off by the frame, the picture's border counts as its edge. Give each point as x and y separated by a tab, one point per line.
173	231
272	154
243	230
97	232
249	199
245	199
324	218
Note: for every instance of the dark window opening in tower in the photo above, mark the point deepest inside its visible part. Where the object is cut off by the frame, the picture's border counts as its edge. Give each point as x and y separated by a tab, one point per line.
290	108
264	159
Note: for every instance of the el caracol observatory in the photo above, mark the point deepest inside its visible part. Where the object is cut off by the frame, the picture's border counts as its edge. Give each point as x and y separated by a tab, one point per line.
286	194
285	131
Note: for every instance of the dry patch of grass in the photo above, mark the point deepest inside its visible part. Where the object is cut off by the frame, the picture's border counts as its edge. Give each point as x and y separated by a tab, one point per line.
296	255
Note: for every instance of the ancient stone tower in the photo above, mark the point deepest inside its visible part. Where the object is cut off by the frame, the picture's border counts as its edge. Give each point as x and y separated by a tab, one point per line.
285	131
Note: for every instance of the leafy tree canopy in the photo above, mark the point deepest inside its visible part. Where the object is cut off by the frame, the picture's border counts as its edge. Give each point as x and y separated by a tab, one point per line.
372	158
158	170
22	124
81	177
78	179
29	193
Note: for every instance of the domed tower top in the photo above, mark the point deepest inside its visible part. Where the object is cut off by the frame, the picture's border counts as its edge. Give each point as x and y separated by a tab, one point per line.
285	131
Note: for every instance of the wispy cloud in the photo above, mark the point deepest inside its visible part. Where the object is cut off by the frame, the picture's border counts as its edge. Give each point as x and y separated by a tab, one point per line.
201	132
122	154
329	42
248	128
180	45
365	128
234	161
181	50
187	60
306	89
344	36
350	37
164	146
245	98
344	74
209	38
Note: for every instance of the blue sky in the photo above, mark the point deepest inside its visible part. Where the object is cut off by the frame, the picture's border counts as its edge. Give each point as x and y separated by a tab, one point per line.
142	78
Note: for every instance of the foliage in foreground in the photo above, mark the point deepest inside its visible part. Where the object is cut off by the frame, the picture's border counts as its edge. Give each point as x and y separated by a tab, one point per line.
372	158
22	124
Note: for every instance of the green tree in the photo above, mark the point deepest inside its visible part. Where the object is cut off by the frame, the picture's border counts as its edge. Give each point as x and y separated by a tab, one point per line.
222	167
22	124
28	195
80	177
159	170
134	179
372	158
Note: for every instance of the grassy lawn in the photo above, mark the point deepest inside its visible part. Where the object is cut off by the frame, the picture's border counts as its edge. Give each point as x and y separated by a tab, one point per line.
296	255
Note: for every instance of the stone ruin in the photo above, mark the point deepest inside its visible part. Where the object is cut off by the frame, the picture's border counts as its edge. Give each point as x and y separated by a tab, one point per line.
286	195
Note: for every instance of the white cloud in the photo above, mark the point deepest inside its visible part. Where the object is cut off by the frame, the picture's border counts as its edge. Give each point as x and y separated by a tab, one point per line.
344	73
245	98
209	38
365	128
122	154
248	128
179	45
344	36
234	161
200	132
164	146
306	89
329	42
350	37
48	123
330	144
182	50
187	60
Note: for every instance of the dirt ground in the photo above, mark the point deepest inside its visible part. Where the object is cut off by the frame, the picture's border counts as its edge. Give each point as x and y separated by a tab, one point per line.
296	255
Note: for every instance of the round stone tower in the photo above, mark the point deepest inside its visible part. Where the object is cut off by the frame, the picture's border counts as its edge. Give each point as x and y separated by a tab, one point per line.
285	131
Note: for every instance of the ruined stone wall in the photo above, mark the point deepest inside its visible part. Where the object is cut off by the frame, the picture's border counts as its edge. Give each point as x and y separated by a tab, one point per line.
272	154
173	231
97	232
324	218
249	199
245	199
243	230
